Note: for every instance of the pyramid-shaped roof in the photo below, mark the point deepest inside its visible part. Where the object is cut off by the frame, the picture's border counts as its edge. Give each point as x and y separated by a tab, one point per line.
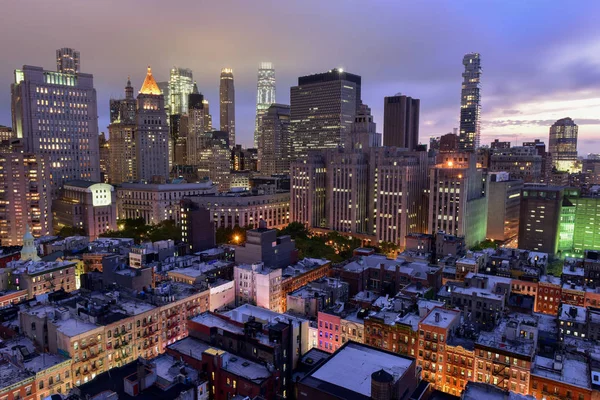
150	86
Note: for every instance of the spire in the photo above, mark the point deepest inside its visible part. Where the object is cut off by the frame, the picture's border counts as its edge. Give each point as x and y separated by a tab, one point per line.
150	86
129	89
195	89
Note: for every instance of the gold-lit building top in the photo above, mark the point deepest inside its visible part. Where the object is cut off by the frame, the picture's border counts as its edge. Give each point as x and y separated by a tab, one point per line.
150	86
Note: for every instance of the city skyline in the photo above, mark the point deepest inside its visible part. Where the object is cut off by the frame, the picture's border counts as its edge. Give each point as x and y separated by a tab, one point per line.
544	86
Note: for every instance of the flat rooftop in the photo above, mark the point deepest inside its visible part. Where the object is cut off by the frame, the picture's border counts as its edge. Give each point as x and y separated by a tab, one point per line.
445	319
351	367
73	327
573	371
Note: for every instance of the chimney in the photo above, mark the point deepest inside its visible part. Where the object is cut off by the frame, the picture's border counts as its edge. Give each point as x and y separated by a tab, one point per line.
437	317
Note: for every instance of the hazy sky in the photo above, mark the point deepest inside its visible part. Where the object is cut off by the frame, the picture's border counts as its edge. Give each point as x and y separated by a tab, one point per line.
540	58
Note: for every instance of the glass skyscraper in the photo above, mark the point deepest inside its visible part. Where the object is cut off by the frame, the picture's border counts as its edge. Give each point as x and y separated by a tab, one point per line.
563	145
470	103
181	85
265	95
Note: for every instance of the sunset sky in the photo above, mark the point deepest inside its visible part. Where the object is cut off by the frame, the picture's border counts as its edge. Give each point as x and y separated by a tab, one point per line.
540	58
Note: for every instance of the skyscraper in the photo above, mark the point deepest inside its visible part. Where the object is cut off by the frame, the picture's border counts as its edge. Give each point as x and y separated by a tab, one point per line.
56	115
227	100
197	136
121	152
470	103
374	192
25	198
265	95
458	197
401	121
273	145
67	61
181	85
563	145
152	133
323	107
208	126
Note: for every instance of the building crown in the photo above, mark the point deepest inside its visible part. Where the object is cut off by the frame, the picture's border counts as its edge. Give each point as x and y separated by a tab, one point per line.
150	86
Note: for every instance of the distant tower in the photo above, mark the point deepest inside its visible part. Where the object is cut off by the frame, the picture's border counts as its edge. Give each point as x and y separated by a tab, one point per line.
322	109
401	121
121	151
273	144
181	85
470	103
227	99
152	133
67	61
265	95
29	251
563	145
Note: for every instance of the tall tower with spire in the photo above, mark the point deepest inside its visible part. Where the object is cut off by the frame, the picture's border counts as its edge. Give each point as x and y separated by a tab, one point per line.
121	153
151	133
265	95
227	103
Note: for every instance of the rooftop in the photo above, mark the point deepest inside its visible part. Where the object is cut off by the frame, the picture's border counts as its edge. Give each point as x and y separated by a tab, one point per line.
572	313
350	369
479	391
497	338
441	317
242	313
73	327
11	374
573	370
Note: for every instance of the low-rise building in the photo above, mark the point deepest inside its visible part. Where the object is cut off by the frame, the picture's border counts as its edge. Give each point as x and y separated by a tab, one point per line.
156	203
40	277
566	376
503	356
258	335
358	371
483	298
434	330
228	210
572	321
259	285
88	205
233	375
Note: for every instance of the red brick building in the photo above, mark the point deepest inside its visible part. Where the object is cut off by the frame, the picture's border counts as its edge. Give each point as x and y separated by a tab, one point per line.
228	375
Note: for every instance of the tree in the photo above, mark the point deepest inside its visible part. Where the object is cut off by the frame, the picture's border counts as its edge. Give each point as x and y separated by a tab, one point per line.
388	248
67	231
295	230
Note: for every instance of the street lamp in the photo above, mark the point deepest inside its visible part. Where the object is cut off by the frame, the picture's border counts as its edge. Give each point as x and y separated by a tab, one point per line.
236	238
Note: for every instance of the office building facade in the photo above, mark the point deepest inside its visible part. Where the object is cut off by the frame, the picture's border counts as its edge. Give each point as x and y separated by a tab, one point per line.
274	140
25	198
90	206
458	197
401	121
56	115
504	203
563	145
322	110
